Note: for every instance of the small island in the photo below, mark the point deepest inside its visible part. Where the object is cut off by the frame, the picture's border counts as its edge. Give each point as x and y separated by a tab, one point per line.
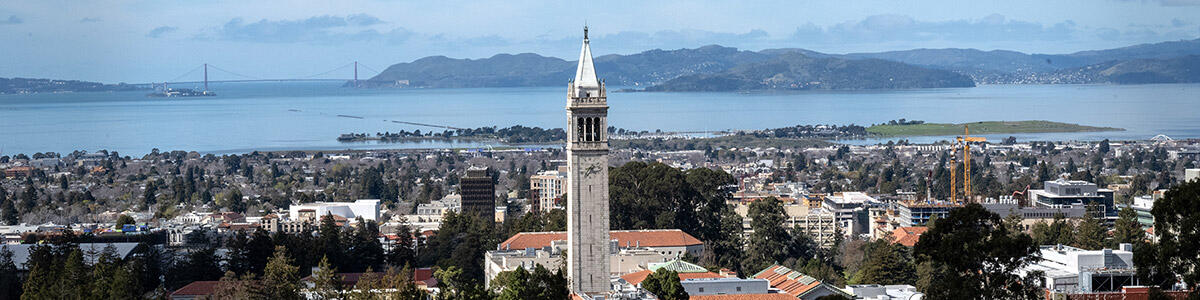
918	128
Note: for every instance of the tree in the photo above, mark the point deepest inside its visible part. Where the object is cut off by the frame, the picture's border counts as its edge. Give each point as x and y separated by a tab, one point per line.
9	281
665	284
1090	234
281	279
199	265
8	211
972	255
326	282
125	219
455	285
887	264
233	287
769	242
1127	229
539	285
365	249
234	202
1177	253
1061	231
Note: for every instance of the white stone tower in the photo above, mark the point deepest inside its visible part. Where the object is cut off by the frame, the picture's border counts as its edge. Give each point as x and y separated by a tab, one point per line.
587	184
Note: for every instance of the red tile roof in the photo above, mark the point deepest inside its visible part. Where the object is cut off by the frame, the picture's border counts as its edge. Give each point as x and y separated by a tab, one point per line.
908	236
197	288
639	276
630	238
775	296
791	282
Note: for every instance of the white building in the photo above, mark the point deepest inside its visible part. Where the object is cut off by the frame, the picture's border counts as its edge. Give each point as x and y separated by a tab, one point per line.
368	209
884	292
1073	270
628	250
850	208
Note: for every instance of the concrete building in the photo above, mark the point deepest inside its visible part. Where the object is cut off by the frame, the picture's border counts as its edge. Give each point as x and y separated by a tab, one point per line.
1030	215
1191	174
918	213
1063	193
819	224
884	292
547	188
587	184
478	194
850	208
1073	270
368	209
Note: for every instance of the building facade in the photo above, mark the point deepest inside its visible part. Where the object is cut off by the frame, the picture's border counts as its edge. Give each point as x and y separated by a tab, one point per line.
587	183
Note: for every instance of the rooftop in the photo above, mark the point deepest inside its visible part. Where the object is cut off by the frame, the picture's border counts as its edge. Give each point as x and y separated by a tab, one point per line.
625	238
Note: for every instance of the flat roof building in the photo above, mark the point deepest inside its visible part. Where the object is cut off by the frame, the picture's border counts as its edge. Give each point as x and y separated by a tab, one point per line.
479	194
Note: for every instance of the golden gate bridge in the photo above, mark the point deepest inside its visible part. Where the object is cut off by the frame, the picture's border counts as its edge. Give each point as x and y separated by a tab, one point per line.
202	71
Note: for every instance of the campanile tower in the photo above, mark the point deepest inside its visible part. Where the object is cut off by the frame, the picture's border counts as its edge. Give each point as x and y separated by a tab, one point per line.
587	184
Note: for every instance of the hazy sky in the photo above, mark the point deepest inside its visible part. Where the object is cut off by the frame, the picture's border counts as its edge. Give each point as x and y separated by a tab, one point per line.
142	41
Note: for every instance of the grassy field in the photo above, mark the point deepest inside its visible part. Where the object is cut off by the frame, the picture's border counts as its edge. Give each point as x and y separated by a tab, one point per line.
987	127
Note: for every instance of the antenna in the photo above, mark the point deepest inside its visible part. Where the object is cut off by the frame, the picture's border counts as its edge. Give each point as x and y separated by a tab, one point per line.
585	30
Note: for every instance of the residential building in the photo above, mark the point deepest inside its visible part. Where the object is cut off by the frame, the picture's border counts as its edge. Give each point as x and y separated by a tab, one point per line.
547	188
478	194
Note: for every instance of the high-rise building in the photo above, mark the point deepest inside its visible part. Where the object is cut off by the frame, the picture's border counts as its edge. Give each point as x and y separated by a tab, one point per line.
587	183
478	194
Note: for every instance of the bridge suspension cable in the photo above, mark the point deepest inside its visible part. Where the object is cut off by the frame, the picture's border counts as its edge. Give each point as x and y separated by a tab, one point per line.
234	73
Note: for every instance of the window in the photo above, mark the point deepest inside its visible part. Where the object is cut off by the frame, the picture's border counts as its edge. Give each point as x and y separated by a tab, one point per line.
701	290
739	289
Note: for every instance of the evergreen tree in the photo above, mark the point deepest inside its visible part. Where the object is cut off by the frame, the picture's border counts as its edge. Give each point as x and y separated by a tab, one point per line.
365	248
10	283
1090	234
8	211
665	284
281	279
42	280
541	284
769	242
326	282
75	274
1127	229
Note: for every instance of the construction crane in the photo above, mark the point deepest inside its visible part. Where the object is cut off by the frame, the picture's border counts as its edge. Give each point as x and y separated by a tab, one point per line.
965	140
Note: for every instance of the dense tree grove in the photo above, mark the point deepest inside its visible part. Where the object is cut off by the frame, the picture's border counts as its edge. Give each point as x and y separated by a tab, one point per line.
541	284
657	196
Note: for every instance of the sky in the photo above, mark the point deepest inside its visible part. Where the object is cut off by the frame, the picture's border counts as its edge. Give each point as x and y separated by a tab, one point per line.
144	41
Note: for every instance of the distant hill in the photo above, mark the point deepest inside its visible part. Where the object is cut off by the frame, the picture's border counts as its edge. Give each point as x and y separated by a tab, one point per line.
501	70
1142	71
733	69
41	85
796	71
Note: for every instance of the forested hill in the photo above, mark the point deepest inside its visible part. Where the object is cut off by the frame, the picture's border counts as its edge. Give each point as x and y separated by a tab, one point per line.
796	71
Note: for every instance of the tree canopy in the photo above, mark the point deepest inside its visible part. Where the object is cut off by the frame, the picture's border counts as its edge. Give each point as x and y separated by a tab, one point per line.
971	254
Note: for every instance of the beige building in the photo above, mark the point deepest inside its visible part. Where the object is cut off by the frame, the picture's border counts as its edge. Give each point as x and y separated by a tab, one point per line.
547	187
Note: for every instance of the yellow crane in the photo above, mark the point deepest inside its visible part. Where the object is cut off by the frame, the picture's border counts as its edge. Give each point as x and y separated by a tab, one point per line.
965	140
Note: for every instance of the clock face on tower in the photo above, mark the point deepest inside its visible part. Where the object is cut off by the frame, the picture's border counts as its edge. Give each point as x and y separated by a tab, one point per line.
591	170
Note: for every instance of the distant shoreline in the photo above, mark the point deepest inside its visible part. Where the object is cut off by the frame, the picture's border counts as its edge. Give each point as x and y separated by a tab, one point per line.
983	127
